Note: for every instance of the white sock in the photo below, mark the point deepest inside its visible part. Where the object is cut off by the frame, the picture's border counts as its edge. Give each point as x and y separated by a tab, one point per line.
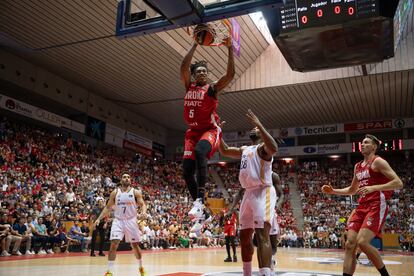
264	271
139	262
247	268
111	265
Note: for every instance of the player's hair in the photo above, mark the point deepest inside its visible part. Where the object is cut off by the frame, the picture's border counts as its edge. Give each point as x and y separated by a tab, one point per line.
196	64
374	139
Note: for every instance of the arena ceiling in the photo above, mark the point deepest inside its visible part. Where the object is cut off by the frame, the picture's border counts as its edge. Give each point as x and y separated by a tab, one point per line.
142	73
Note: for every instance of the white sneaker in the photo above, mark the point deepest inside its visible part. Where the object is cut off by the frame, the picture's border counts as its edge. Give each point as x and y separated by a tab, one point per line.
274	263
196	227
41	252
17	253
50	251
28	252
5	254
197	211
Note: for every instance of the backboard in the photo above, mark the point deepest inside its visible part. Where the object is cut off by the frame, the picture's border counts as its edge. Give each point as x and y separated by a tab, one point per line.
140	17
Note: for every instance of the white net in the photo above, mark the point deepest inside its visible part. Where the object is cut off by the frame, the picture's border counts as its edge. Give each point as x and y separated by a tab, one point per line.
221	30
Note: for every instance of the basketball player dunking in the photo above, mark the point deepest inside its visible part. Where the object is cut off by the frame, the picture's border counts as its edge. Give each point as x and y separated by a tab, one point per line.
125	200
374	180
257	208
203	134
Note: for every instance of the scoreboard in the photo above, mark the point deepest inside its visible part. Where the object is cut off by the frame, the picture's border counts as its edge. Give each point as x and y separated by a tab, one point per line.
300	14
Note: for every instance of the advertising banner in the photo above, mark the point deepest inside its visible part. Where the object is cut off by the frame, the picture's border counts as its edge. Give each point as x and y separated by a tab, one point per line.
136	148
39	114
139	140
311	130
374	125
114	140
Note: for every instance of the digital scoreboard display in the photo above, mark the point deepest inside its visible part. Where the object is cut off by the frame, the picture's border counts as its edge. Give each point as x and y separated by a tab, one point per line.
300	14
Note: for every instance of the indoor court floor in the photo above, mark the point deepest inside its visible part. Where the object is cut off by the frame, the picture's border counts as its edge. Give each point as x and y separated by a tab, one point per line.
208	261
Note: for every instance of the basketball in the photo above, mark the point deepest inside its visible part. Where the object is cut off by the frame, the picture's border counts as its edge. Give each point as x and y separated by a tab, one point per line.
204	34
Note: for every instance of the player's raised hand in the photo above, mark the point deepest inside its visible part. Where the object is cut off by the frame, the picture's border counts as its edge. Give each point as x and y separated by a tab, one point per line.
228	42
253	118
327	189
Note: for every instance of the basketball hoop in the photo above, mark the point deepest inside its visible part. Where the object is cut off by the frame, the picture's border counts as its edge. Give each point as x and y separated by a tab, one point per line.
221	30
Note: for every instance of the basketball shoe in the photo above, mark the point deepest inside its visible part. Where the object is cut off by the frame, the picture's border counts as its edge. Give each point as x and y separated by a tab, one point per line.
197	211
142	271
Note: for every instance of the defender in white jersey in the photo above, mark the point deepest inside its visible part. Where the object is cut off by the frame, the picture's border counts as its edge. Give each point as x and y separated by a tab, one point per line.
258	205
124	200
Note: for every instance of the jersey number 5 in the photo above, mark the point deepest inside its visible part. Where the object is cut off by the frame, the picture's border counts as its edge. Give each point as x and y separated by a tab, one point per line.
191	113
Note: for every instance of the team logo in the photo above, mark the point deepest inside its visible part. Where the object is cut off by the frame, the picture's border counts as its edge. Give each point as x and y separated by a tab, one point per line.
10	104
369	222
298	131
131	196
309	150
399	123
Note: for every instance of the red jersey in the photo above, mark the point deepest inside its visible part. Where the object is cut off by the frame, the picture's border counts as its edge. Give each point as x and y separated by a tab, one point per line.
200	107
367	177
230	225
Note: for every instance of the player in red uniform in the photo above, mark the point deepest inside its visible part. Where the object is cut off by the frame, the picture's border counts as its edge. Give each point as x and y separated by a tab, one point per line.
374	180
230	231
200	113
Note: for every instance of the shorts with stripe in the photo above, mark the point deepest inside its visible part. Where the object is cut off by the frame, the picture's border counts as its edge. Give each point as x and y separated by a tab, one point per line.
192	137
369	215
257	207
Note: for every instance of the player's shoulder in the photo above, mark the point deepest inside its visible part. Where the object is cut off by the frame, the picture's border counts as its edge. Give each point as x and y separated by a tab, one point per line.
379	162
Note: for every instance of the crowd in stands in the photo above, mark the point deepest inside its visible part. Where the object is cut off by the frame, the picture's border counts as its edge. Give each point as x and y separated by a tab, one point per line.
325	216
50	185
53	187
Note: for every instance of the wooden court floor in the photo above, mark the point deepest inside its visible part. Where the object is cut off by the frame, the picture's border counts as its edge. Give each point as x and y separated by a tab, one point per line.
209	261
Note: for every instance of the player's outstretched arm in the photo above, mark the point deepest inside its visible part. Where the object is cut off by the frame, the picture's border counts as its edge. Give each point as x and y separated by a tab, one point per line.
232	152
185	67
228	77
270	145
350	190
105	211
383	167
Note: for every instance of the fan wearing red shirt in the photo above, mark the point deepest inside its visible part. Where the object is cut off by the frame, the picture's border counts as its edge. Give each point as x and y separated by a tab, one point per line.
374	180
202	137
